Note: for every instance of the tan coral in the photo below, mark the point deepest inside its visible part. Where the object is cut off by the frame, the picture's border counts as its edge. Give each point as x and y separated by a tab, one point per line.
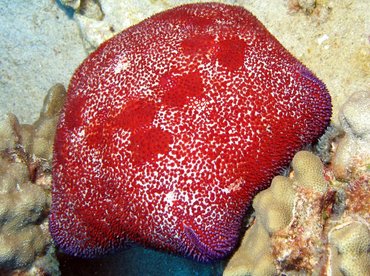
253	257
308	223
22	204
281	194
298	245
25	180
45	126
8	138
349	245
353	150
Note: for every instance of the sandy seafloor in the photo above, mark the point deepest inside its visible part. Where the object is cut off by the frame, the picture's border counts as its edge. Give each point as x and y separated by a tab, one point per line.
41	44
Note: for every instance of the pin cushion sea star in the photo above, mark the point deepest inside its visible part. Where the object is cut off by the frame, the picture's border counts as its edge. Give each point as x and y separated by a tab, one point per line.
172	126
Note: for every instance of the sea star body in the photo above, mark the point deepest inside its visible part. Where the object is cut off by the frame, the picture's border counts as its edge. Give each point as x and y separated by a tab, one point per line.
172	126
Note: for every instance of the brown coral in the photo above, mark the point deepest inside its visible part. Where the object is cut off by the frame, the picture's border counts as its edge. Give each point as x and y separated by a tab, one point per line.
308	223
25	180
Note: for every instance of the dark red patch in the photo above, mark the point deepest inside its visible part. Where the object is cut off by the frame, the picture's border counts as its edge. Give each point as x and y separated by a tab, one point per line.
200	22
231	53
147	144
95	135
98	130
136	114
179	89
200	44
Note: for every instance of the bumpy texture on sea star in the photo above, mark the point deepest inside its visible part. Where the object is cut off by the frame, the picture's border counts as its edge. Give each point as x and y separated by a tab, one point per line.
172	126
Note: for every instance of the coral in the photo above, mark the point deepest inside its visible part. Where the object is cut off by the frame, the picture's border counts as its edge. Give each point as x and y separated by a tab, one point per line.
44	127
296	246
22	205
180	120
253	256
349	245
352	155
308	223
25	182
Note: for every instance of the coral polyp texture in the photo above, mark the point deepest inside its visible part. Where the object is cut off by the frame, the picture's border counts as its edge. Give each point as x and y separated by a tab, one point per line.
171	127
353	150
25	183
308	223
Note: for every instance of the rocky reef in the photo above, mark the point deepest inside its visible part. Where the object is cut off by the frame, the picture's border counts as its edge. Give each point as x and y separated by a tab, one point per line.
337	48
25	182
316	221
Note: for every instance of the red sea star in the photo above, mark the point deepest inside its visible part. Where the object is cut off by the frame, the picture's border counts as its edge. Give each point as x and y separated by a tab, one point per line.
172	126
